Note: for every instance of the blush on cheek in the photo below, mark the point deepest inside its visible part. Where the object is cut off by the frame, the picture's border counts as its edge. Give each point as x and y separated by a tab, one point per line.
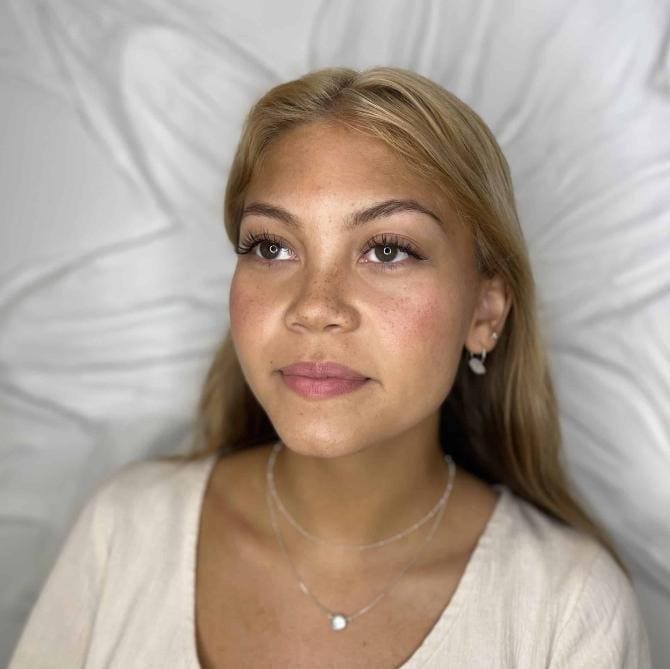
240	308
253	318
431	329
431	318
241	312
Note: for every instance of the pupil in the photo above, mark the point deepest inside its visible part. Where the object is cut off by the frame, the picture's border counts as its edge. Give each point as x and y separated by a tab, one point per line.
273	248
387	251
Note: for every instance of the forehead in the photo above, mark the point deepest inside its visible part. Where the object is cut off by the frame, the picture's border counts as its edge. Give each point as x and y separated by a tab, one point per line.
328	160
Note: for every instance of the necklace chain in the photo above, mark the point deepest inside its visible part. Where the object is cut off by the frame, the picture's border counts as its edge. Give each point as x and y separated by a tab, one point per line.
339	621
325	542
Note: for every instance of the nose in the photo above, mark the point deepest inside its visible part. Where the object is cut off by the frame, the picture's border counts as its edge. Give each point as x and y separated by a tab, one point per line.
322	303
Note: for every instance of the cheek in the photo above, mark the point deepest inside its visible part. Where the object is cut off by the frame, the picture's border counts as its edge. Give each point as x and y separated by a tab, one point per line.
424	333
246	308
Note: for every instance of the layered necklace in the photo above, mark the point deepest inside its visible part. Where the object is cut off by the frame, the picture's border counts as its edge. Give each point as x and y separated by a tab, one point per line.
338	620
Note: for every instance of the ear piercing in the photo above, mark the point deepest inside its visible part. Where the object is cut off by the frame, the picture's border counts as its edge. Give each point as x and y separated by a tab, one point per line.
477	364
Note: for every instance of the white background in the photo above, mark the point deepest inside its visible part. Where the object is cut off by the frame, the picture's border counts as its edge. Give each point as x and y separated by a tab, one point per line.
118	120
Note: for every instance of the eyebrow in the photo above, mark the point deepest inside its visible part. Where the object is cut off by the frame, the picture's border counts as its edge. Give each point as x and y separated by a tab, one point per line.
354	220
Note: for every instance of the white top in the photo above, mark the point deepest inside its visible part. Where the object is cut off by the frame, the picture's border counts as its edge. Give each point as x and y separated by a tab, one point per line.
535	593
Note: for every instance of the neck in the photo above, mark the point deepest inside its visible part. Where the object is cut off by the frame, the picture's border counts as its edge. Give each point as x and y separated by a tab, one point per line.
367	495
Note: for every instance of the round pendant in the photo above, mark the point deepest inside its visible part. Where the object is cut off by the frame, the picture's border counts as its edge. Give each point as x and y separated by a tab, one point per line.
477	366
338	621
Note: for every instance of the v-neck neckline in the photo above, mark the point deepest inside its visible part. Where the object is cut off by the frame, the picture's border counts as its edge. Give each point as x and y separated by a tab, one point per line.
481	554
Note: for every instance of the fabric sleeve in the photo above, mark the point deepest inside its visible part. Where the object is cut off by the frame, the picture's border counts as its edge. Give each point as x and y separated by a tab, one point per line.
58	630
604	627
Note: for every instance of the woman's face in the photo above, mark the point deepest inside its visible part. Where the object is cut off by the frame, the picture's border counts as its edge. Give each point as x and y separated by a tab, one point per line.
332	292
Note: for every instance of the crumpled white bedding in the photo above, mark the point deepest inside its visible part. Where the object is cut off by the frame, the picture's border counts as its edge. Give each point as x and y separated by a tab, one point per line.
103	343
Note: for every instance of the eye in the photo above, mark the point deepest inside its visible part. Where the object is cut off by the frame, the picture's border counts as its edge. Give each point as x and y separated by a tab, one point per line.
388	245
263	240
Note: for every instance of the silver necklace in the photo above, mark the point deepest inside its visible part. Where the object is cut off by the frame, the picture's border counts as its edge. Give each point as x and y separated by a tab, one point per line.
375	544
339	621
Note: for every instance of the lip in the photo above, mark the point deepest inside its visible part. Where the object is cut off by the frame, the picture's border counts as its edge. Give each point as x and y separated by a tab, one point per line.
322	370
315	388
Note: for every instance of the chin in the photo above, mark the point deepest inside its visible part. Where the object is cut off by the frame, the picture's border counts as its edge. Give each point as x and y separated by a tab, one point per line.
310	445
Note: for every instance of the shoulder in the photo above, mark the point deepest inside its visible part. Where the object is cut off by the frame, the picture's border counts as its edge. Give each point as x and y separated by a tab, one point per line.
151	476
550	548
150	487
602	626
580	590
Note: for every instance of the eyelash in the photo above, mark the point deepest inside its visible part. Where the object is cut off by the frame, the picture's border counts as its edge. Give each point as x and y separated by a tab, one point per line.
252	240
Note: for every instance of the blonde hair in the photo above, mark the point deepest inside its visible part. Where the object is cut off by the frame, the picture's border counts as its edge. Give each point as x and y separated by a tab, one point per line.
502	427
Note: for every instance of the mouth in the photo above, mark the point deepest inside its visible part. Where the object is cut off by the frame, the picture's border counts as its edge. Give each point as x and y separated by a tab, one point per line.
322	387
323	370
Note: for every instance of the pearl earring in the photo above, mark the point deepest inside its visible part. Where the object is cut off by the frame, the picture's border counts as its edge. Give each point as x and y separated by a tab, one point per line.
477	364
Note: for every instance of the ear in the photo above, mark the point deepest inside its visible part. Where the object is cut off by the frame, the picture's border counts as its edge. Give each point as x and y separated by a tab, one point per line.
490	312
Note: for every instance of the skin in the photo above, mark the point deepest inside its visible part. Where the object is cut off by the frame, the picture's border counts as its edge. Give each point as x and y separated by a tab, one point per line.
360	466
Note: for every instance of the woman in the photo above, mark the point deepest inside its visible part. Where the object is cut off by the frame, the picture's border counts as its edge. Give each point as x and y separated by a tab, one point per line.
376	479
